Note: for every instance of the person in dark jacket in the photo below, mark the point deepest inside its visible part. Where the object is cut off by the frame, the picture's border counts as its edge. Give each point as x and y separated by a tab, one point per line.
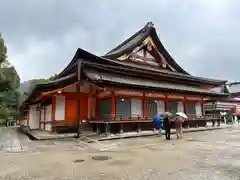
167	127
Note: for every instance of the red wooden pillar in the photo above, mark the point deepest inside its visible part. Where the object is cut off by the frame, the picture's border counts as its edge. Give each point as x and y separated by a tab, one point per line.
91	103
44	118
203	112
90	106
96	107
144	105
185	105
113	105
166	103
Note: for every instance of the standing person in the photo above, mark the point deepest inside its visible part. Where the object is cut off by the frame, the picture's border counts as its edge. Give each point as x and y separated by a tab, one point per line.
167	126
178	125
157	120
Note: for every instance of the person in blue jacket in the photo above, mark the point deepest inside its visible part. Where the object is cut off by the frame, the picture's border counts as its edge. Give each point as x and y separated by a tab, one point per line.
157	120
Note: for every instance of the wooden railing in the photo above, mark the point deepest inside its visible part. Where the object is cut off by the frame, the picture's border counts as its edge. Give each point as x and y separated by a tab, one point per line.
191	117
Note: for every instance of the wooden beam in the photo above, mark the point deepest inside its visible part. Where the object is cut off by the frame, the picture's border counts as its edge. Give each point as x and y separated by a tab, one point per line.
47	93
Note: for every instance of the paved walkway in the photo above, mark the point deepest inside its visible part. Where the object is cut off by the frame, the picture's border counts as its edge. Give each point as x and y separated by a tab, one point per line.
198	156
95	138
92	137
45	135
11	139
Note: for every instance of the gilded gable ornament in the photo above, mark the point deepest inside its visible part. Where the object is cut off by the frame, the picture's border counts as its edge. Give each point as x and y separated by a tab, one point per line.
149	47
123	57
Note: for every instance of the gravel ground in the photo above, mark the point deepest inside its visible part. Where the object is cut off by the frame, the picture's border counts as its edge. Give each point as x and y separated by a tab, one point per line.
201	155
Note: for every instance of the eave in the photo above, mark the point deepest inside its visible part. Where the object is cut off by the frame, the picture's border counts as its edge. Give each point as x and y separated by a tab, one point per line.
136	39
101	62
104	78
40	88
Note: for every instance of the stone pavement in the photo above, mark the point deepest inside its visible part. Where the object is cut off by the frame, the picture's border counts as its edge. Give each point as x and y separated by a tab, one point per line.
200	155
45	135
93	137
11	140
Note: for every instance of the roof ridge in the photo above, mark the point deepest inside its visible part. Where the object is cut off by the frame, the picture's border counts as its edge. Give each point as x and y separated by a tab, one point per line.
145	28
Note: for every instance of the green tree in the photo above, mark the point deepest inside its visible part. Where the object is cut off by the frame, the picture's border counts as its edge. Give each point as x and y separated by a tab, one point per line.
3	60
9	84
3	50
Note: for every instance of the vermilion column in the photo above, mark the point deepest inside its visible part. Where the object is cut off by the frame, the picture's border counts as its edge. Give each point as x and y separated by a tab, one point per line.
166	104
90	106
96	108
185	105
113	105
203	113
144	105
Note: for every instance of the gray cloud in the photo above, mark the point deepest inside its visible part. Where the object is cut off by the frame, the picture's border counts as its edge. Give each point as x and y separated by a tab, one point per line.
42	36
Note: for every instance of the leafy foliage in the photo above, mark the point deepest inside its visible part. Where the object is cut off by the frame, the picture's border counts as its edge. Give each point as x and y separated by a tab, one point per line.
3	50
9	84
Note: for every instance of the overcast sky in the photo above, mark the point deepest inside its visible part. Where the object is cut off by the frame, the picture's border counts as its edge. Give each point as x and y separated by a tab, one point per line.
43	35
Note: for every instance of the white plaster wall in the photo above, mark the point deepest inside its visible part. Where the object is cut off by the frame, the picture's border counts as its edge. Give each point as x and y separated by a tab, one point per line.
136	107
60	108
42	114
42	118
48	127
160	106
180	107
49	113
198	109
34	117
